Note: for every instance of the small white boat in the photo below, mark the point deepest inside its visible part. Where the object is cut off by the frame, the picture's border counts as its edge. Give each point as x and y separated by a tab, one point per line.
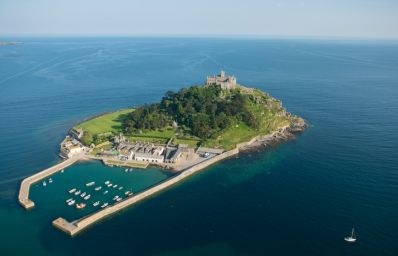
73	190
126	170
77	193
87	197
50	180
107	182
120	188
44	183
71	202
114	186
90	184
80	206
70	199
98	188
130	194
95	204
115	197
105	192
104	205
109	185
119	199
83	194
352	238
127	192
62	171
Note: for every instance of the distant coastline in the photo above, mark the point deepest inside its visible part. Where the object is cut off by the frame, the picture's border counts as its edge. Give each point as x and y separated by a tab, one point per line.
7	43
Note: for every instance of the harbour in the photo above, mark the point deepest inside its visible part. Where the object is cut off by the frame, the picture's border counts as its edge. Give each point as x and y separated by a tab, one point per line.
127	198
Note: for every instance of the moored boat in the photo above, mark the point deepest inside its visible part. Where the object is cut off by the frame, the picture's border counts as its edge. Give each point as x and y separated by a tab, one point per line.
96	203
127	192
73	190
90	184
119	199
104	205
77	193
120	188
83	194
98	188
50	180
80	206
87	197
71	202
114	186
105	192
44	183
70	199
107	182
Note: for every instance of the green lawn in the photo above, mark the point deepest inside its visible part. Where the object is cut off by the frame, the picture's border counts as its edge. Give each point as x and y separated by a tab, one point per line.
106	123
232	136
191	142
156	136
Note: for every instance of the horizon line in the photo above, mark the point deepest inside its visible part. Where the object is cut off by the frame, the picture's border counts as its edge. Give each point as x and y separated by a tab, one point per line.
199	36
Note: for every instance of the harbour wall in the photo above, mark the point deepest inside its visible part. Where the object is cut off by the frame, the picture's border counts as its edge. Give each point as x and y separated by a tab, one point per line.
23	195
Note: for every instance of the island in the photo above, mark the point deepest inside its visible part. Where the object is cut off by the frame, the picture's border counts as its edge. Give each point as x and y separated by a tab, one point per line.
184	133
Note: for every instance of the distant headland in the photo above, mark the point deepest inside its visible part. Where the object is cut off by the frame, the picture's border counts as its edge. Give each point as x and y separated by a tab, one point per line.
185	132
5	43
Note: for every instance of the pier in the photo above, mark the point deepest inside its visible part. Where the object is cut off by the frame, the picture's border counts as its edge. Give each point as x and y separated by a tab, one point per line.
23	196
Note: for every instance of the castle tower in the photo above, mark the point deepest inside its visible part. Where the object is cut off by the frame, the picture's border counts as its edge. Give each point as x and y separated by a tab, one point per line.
222	73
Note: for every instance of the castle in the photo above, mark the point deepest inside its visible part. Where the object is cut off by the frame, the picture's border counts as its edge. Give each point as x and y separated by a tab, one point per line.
226	82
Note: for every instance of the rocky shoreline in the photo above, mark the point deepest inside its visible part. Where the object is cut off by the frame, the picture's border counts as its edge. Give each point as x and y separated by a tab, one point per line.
283	134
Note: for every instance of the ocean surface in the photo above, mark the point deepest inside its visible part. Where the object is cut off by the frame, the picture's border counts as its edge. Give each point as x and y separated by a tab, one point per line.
298	198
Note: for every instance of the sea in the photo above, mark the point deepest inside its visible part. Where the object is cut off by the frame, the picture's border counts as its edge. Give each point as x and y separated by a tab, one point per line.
300	197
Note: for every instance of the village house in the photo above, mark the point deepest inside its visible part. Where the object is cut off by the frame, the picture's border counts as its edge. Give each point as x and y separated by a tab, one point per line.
71	147
141	152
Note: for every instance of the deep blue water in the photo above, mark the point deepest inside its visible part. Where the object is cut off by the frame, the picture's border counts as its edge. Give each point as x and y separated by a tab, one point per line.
298	198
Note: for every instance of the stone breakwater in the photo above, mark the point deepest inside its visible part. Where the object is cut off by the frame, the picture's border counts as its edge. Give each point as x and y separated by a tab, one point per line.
74	227
23	195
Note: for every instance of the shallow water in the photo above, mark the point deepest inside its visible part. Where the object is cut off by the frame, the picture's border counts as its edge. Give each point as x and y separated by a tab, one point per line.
51	199
298	198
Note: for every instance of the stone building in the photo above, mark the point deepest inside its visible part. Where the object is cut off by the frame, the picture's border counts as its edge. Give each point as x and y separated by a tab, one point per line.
141	152
226	82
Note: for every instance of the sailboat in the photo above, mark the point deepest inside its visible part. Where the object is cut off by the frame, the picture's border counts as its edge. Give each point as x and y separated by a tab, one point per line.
352	238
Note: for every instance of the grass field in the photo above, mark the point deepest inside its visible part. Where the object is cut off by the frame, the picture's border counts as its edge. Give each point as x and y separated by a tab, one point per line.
232	136
105	123
190	142
147	139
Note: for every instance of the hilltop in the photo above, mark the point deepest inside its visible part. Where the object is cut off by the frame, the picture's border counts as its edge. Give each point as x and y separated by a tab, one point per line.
219	114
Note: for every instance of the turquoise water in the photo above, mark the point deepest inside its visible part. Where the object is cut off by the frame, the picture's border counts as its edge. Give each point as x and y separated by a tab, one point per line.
298	198
51	199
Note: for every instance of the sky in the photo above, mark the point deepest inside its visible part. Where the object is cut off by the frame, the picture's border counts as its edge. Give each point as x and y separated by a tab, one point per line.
283	18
